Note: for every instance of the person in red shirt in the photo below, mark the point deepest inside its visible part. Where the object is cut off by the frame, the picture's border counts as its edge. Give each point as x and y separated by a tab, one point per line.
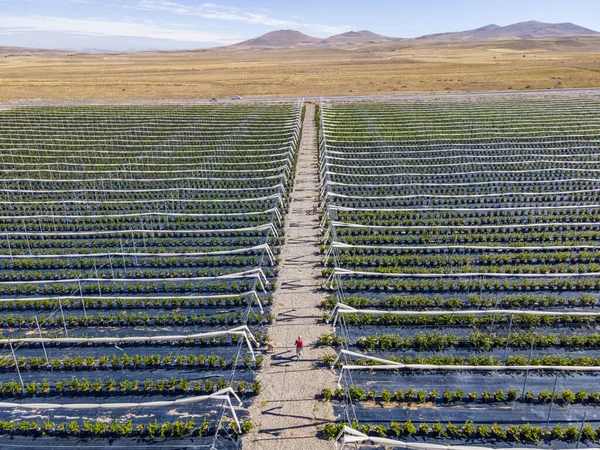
299	347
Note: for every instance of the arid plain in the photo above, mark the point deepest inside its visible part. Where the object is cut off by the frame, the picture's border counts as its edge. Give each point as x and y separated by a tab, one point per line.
411	66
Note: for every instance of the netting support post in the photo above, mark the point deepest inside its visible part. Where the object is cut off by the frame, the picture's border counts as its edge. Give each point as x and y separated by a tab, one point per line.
527	371
82	303
508	337
551	401
37	324
12	350
62	314
581	429
9	247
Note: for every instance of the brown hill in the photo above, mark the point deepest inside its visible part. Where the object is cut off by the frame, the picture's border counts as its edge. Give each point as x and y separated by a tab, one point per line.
279	39
355	37
521	30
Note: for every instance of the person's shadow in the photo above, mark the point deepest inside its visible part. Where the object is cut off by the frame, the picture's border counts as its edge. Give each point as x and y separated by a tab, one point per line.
278	359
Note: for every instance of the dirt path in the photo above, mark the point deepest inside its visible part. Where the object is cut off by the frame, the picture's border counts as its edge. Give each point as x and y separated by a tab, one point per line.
286	413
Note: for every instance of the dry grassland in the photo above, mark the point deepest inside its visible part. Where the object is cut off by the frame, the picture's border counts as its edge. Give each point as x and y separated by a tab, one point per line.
399	67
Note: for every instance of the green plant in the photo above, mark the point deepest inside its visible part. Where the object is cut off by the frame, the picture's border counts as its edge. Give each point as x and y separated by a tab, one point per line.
356	393
256	386
328	359
447	395
500	396
498	431
468	429
572	432
438	429
483	431
247	426
153	429
568	396
381	430
386	396
331	430
458	395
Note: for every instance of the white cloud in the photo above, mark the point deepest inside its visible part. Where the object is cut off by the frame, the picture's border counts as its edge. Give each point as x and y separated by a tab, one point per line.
231	13
103	27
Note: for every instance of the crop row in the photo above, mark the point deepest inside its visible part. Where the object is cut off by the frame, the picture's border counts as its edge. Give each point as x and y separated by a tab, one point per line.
432	190
393	264
59	263
520	360
129	288
529	320
124	223
133	319
527	434
477	340
109	386
427	302
136	361
221	340
175	269
473	236
466	216
185	206
472	285
457	396
102	429
128	303
54	246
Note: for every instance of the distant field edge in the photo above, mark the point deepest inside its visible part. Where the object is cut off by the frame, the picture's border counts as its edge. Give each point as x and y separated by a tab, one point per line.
547	93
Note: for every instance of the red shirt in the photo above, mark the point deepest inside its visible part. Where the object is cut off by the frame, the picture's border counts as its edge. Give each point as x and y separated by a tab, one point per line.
298	343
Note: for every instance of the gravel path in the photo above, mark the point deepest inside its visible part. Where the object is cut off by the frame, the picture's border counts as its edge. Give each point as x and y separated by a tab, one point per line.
286	413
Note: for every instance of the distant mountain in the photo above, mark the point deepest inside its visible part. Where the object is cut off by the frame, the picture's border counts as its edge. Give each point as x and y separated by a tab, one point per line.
7	51
279	39
28	42
101	50
521	30
355	37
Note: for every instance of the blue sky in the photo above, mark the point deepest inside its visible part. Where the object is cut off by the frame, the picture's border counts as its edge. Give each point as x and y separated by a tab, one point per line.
170	24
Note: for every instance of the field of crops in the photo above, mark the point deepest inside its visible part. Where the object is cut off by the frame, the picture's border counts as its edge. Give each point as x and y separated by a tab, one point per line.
138	253
461	250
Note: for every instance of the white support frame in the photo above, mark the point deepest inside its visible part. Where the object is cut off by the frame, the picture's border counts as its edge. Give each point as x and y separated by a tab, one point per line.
223	394
253	293
261	247
268	226
386	364
340	272
243	331
252	273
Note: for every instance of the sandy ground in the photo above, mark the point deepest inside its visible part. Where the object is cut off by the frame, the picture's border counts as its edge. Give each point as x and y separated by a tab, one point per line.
286	413
391	68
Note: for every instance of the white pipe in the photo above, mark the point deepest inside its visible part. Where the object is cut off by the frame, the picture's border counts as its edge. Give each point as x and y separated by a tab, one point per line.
245	274
144	214
253	249
268	226
386	364
349	435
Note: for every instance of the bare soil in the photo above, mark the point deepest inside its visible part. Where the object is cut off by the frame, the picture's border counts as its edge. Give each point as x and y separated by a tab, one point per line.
287	413
376	69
